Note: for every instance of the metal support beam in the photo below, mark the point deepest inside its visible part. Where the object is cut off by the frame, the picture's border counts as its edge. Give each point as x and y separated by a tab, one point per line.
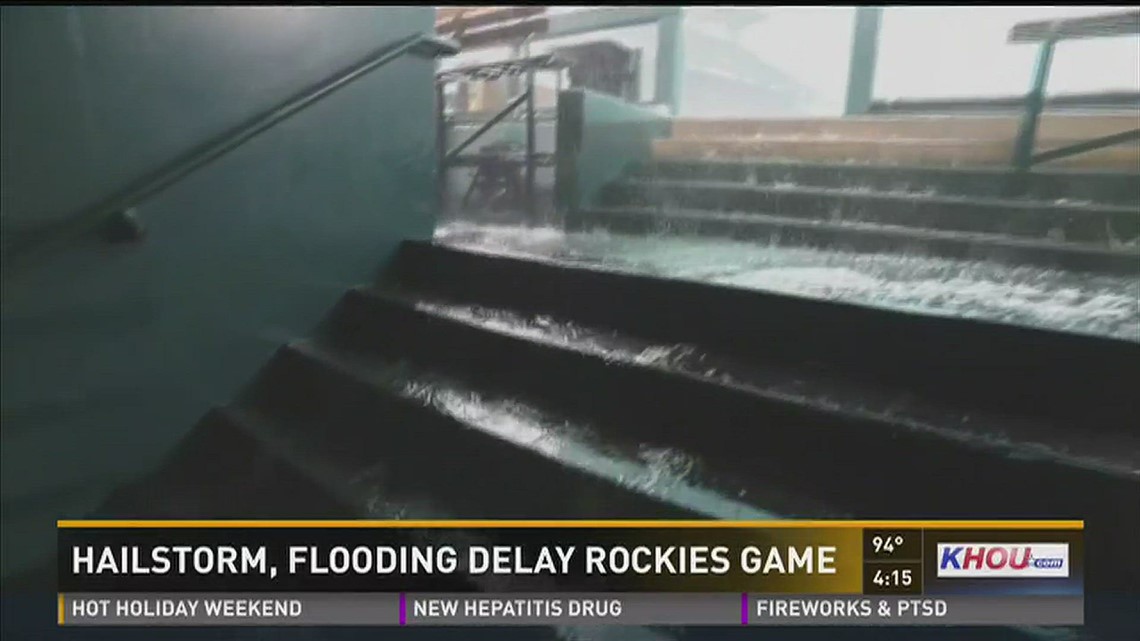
530	147
517	53
1034	103
441	144
864	58
1086	146
670	62
511	106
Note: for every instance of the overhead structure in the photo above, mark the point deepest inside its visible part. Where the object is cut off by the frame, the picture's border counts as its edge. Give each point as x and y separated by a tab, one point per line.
591	66
479	27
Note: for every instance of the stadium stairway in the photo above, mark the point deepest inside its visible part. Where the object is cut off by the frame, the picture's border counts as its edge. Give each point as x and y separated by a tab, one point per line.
926	185
471	385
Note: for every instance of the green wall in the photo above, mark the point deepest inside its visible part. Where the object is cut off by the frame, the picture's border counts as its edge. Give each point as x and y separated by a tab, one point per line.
599	137
111	353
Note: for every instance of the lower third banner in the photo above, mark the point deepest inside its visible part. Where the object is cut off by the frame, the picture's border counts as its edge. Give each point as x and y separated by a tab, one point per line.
395	573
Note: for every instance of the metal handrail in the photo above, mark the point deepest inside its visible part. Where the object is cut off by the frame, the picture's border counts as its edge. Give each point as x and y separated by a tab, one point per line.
114	210
1086	146
1048	34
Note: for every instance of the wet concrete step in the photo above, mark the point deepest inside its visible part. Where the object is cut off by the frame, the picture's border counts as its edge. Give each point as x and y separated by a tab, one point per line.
539	396
239	464
741	427
252	462
645	389
419	435
872	466
812	388
1076	380
1088	223
862	238
1120	188
223	469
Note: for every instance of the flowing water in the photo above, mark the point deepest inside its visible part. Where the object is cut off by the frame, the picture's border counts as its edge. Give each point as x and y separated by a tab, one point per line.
1033	296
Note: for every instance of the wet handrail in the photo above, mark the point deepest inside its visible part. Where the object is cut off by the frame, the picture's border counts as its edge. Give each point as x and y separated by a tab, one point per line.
113	212
1086	146
1047	34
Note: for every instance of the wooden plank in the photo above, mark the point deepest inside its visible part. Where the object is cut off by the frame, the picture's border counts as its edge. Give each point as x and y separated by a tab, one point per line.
443	14
450	14
478	17
597	19
504	34
946	152
1123	23
1054	126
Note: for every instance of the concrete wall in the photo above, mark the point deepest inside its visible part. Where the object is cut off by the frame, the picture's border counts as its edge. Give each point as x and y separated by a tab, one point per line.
112	352
599	137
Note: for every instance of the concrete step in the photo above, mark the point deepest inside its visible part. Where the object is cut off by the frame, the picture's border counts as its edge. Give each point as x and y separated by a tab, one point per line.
224	469
863	238
405	427
636	369
1086	223
948	152
1004	127
747	428
963	362
284	464
1120	188
783	445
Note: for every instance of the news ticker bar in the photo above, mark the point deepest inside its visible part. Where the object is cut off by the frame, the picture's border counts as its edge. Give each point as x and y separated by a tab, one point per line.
673	608
873	558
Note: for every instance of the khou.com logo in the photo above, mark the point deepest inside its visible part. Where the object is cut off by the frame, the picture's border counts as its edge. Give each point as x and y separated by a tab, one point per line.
1030	560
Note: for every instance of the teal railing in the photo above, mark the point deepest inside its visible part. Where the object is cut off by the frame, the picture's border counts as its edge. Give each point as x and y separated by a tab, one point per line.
1047	34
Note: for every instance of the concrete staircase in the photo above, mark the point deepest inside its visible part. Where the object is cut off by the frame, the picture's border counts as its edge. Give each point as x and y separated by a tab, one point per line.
857	199
469	385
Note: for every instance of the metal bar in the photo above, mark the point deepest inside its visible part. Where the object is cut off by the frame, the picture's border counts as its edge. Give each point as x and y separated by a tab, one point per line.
1034	103
441	144
511	106
513	81
1115	100
483	16
864	55
1088	145
492	70
234	138
667	83
530	147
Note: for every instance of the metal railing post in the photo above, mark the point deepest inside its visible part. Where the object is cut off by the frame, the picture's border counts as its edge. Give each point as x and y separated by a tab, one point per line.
670	63
1034	104
441	144
864	55
530	146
